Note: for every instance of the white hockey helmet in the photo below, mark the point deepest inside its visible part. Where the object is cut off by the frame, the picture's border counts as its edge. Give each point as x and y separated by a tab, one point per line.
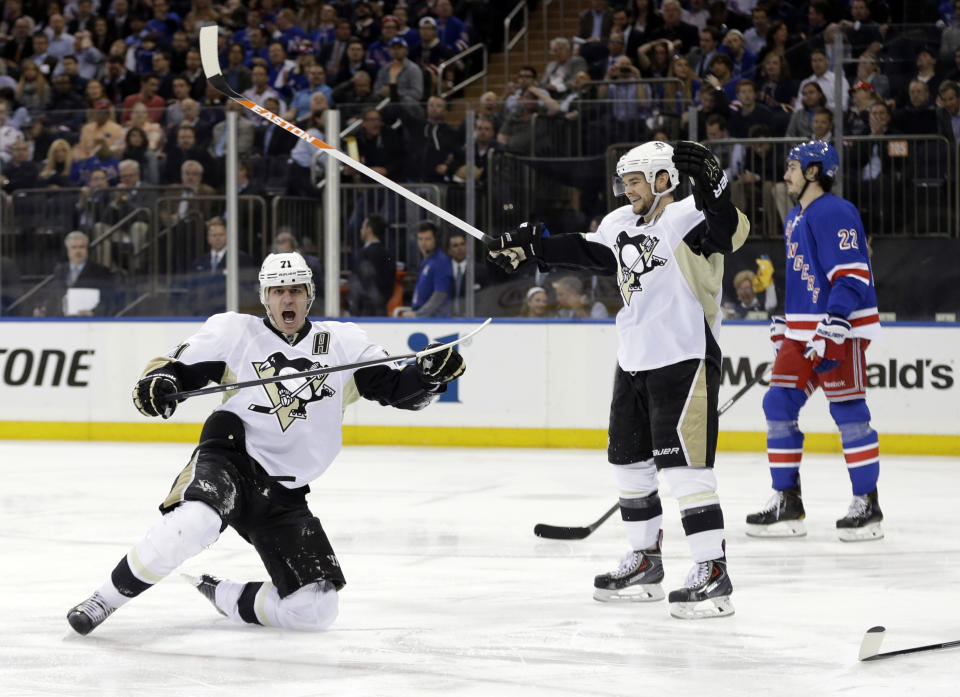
285	269
649	159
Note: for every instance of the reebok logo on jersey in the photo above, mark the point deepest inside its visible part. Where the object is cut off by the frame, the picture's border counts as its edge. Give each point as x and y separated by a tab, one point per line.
289	398
636	258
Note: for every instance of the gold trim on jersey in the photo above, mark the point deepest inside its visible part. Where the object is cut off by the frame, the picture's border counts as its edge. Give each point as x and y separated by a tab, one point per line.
182	482
692	427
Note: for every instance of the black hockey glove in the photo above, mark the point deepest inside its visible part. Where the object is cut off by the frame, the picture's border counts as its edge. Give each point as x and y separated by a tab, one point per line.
441	367
151	393
513	247
710	186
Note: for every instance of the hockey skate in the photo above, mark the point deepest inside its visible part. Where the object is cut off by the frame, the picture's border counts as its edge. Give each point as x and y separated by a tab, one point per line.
706	592
89	614
781	517
637	579
207	585
863	520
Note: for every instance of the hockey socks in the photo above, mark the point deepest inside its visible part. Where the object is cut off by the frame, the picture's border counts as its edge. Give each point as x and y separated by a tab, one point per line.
861	450
784	452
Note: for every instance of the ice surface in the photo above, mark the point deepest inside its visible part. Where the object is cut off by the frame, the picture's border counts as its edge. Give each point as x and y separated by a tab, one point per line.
450	593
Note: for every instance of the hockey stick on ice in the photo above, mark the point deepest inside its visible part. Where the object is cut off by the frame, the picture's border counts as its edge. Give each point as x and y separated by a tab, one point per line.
560	532
211	68
213	389
870	646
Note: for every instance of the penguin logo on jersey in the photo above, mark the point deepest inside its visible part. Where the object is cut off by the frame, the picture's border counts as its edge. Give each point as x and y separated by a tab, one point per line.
636	258
289	398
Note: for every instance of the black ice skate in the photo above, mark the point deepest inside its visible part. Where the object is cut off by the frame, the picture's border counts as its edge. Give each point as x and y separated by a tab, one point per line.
637	579
207	585
89	614
782	517
706	592
863	520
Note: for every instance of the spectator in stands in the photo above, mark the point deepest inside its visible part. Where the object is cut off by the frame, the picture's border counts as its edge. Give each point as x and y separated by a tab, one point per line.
93	92
118	82
88	57
490	105
526	76
182	149
299	181
292	36
256	48
432	52
164	22
822	124
948	112
236	72
654	59
868	71
173	114
207	282
316	82
919	116
573	302
33	90
450	30
794	57
434	289
744	61
801	121
953	73
69	67
404	30
191	117
100	129
82	17
202	12
322	33
93	203
380	149
102	35
332	53
102	158
378	52
756	184
746	113
627	109
535	304
726	19
700	56
272	142
161	68
354	96
600	57
595	23
81	272
484	139
179	46
730	157
261	91
19	46
20	172
860	31
712	101
677	98
147	96
140	118
926	70
720	75
826	79
876	176
857	118
280	70
433	144
457	250
775	89
756	36
645	25
130	195
57	165
215	260
194	74
682	36
748	304
119	17
353	62
372	271
401	80
246	135
560	72
517	132
698	15
41	54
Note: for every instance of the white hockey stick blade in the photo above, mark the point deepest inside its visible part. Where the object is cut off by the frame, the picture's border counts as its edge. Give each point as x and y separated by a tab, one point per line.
211	69
870	646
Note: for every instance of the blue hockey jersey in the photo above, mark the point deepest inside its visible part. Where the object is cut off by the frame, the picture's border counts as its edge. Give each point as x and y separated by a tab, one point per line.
828	269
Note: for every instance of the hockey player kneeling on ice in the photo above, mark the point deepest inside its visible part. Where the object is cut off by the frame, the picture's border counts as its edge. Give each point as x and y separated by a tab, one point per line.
667	256
831	318
259	450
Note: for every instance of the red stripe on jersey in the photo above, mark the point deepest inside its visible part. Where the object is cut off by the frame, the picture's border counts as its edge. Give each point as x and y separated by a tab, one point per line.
787	457
862	274
871	454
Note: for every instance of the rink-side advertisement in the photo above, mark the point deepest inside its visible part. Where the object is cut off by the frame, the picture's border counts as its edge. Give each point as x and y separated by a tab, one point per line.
526	385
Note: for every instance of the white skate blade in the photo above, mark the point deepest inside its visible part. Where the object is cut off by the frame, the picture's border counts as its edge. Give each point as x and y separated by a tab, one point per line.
641	593
872	531
783	528
720	606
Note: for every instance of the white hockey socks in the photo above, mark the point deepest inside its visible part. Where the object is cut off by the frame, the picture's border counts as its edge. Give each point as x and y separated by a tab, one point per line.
640	506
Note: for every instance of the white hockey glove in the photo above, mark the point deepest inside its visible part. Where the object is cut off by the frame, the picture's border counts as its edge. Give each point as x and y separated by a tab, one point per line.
514	247
778	330
826	347
152	391
441	367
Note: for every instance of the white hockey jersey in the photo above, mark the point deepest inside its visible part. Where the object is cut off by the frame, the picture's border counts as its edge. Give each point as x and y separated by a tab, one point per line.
670	293
293	428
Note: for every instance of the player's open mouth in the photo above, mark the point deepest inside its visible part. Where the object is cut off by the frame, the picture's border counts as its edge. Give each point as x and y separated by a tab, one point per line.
288	316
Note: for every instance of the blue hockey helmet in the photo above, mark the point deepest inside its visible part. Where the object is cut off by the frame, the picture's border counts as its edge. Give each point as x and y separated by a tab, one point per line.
816	152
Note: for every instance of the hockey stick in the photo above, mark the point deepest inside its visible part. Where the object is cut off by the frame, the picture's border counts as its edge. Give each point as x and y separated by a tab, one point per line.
211	68
213	389
870	646
559	532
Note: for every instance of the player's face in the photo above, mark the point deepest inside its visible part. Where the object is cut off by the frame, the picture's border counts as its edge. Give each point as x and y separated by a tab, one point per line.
288	307
638	192
794	178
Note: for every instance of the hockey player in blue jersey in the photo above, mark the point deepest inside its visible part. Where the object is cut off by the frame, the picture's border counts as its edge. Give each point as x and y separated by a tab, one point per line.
831	318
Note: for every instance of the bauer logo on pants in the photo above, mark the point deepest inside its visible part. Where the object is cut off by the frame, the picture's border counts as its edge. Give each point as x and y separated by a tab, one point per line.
289	398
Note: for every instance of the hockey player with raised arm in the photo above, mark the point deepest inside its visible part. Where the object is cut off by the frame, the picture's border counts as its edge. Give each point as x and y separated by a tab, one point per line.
831	318
259	450
667	256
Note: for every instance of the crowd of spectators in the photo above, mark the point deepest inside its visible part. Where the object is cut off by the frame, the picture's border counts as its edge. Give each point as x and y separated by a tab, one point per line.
93	89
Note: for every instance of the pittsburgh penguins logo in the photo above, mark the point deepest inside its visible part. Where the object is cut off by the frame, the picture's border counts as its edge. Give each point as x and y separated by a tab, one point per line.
289	398
636	258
